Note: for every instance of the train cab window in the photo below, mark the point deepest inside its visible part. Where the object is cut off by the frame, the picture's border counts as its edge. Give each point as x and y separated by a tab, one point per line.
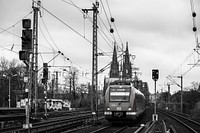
120	94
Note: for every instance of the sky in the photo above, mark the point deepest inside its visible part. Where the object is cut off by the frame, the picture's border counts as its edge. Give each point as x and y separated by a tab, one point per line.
158	32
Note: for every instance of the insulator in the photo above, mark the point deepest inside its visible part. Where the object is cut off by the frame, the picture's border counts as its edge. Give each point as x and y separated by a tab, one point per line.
193	14
112	19
111	30
194	29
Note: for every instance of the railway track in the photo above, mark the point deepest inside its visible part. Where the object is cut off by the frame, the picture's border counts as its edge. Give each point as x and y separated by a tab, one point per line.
110	129
55	124
190	125
17	119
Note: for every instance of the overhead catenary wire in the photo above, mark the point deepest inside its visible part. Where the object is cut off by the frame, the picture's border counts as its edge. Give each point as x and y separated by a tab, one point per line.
15	23
195	30
46	39
108	20
100	28
106	14
64	57
101	31
9	50
114	24
108	8
40	27
180	67
118	34
68	26
6	30
106	29
65	24
50	36
106	37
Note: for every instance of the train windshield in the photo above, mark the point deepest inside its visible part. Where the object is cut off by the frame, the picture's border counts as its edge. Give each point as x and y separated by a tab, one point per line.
119	94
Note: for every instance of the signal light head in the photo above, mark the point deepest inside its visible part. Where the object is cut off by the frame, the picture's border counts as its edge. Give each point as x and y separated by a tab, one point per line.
155	74
23	55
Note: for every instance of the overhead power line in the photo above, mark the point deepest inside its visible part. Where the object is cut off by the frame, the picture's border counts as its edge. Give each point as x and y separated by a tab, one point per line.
100	28
50	36
68	26
195	30
65	24
14	24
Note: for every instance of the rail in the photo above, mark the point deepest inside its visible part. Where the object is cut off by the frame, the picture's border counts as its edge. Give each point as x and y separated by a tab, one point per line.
150	127
140	128
60	125
58	122
191	125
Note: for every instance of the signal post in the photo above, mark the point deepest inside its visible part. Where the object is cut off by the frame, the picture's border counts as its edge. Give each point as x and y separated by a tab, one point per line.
94	61
155	76
24	55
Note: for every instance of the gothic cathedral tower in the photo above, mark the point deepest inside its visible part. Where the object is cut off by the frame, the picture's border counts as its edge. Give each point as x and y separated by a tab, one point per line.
114	69
127	68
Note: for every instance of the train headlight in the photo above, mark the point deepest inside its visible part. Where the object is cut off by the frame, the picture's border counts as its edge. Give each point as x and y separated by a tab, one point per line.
108	108
130	113
129	109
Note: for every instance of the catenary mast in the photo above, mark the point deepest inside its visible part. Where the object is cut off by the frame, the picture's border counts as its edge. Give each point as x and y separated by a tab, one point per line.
36	9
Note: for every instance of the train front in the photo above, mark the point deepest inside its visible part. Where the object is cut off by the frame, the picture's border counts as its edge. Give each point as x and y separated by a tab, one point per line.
119	103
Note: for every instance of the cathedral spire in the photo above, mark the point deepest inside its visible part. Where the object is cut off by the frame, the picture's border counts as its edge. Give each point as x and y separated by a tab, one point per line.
127	68
114	69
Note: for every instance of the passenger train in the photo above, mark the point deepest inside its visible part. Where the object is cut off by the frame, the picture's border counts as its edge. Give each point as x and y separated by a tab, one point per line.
123	102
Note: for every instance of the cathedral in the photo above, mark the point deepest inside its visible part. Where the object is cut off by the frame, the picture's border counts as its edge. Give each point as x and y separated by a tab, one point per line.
126	66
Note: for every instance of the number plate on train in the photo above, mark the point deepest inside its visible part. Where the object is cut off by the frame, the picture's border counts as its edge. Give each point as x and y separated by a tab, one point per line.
119	108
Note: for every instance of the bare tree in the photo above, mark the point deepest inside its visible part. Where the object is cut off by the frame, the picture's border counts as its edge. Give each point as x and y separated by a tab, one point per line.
4	64
194	85
11	79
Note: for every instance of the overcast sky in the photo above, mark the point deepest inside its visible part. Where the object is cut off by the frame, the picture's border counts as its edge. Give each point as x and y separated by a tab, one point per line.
159	33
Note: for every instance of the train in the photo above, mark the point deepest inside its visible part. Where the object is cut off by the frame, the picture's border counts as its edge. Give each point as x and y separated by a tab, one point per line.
123	102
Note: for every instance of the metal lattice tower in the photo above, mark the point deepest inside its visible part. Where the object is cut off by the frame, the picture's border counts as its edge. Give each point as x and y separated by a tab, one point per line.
35	53
94	53
94	97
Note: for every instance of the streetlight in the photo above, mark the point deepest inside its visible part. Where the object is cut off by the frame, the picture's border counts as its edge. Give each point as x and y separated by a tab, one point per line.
9	88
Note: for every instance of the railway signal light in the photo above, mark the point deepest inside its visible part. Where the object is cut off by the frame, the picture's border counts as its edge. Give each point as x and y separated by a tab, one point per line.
26	39
155	74
23	55
26	23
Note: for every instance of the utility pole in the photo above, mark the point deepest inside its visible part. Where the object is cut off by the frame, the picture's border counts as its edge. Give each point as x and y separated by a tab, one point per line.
181	77
94	58
168	85
35	6
56	92
181	86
